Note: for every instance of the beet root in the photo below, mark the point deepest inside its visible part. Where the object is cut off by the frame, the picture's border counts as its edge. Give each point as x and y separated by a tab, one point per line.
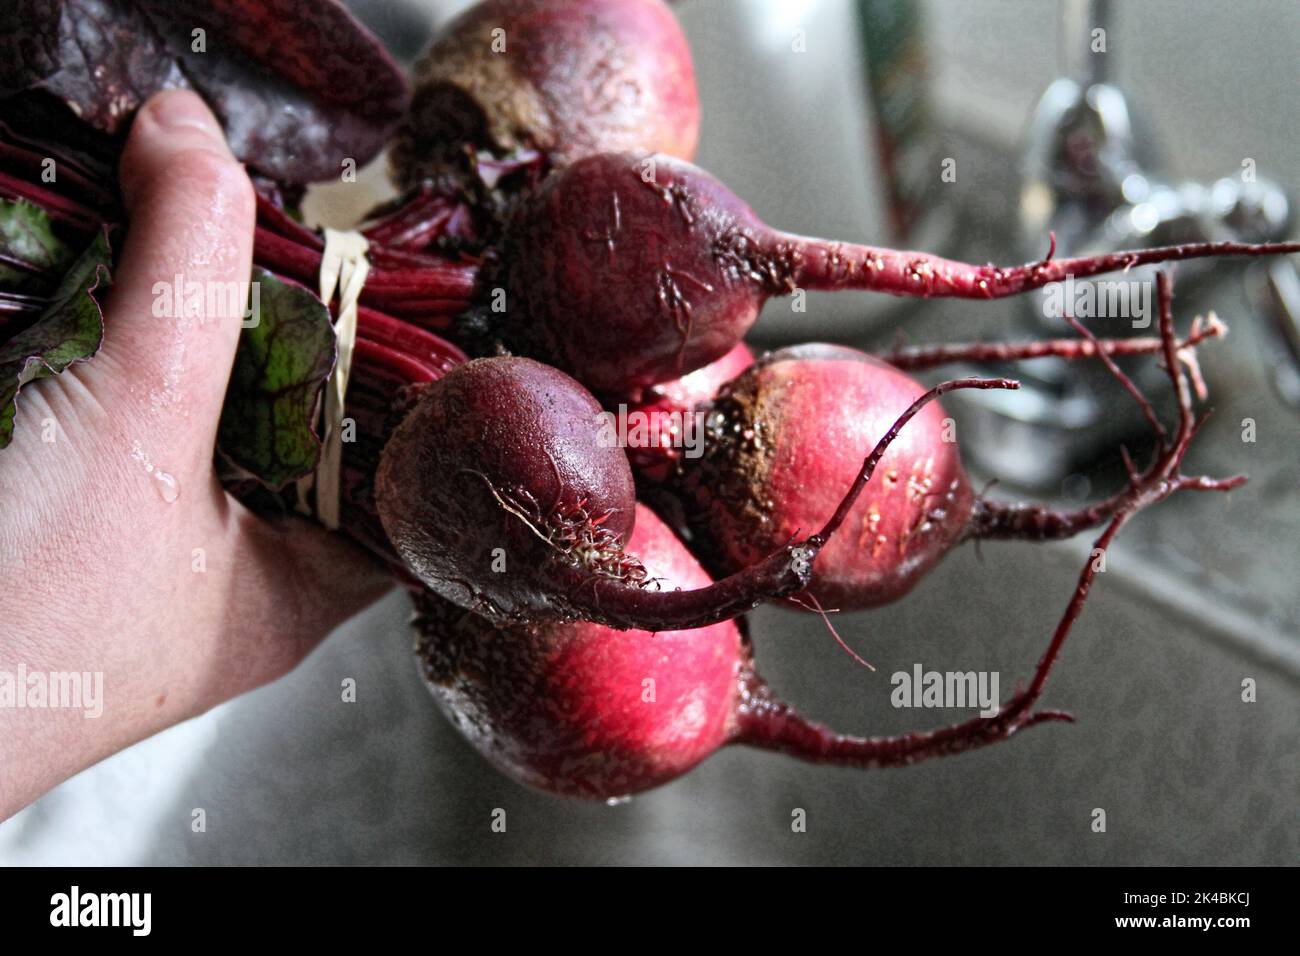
563	78
628	270
612	272
783	438
787	437
495	475
501	494
580	709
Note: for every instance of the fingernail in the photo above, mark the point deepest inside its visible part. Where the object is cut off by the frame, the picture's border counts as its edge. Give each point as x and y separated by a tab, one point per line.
180	109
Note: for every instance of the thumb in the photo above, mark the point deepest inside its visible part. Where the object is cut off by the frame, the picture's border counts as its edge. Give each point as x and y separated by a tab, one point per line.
182	285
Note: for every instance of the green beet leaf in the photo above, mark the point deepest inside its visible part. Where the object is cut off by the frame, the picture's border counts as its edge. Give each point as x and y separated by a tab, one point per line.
31	255
70	327
268	423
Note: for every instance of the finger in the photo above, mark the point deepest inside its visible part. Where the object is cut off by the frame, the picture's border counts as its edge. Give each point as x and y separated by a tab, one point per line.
182	286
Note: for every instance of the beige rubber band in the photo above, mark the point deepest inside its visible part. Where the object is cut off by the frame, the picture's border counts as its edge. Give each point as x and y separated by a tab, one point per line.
343	266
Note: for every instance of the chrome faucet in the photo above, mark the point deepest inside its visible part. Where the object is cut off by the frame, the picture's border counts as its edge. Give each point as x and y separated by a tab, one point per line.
1091	176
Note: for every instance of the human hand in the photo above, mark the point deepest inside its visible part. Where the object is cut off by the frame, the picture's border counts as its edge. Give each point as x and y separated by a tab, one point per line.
120	552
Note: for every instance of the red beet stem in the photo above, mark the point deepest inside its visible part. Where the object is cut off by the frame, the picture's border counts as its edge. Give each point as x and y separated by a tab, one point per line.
276	219
431	350
397	259
408	367
19	265
921	357
414	225
447	284
70	174
831	266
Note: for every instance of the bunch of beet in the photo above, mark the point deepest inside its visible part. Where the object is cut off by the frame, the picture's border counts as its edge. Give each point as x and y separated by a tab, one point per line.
551	224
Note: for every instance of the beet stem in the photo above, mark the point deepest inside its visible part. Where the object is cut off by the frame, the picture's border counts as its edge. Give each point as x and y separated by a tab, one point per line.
922	357
830	266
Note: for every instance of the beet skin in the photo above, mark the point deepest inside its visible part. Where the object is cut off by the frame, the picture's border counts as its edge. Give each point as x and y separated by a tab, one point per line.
788	437
565	78
495	477
578	708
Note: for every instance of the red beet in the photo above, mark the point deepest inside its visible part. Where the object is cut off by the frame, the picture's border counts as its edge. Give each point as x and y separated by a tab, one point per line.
563	78
787	437
582	710
578	708
495	475
626	270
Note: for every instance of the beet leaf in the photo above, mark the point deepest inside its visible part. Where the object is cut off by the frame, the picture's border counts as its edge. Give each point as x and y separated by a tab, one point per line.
69	327
300	85
268	422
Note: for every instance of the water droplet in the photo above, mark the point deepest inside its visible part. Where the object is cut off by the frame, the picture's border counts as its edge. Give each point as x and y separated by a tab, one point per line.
618	801
167	486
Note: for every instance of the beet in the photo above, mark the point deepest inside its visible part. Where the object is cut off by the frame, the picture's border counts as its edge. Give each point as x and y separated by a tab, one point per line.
575	77
787	437
626	270
496	474
566	707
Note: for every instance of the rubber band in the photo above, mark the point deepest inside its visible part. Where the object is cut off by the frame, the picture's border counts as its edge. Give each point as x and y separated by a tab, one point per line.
343	266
